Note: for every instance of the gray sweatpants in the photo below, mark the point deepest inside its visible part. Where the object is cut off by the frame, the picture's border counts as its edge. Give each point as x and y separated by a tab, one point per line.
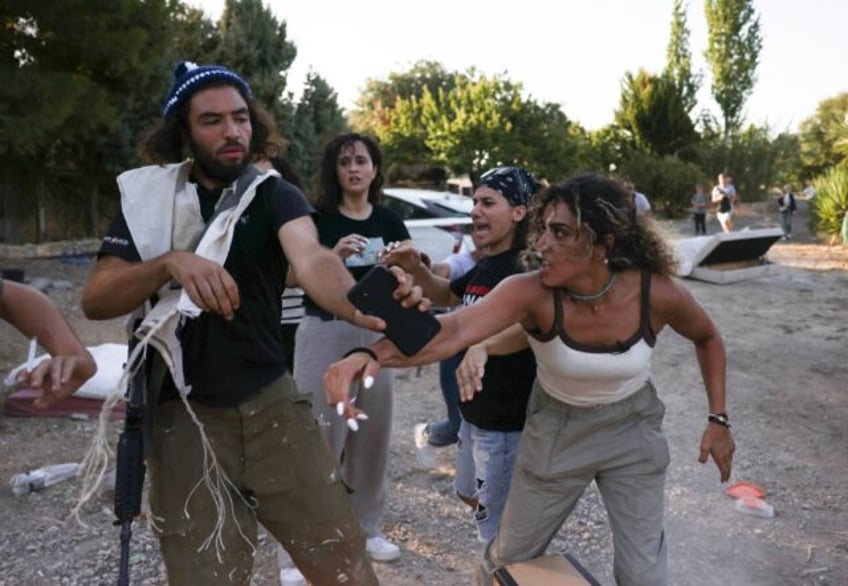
363	454
622	448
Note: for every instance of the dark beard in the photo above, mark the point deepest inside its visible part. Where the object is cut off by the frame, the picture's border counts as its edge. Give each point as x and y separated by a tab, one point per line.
218	172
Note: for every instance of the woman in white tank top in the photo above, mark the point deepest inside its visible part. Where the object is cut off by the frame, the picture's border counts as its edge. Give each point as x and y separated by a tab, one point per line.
603	290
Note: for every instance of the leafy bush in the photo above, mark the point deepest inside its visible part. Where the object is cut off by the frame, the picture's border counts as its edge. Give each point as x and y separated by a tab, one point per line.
754	159
831	202
667	181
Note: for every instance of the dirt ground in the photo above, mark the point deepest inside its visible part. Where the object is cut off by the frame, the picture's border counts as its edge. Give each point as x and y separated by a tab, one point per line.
788	401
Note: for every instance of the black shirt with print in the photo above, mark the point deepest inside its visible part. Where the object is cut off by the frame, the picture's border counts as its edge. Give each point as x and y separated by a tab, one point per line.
226	362
508	380
381	227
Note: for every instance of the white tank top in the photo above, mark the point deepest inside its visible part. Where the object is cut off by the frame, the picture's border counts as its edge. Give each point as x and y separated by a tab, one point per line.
582	375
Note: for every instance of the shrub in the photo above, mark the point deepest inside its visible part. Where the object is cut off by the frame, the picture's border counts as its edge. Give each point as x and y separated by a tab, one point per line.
831	202
667	181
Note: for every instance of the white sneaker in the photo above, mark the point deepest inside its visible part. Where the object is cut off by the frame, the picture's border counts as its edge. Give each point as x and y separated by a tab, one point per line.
425	454
381	549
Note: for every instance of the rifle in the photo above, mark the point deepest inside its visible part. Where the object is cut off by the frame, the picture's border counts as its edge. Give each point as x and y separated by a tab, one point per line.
130	469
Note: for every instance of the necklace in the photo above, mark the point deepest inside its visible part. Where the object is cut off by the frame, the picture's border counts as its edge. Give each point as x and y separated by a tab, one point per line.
592	296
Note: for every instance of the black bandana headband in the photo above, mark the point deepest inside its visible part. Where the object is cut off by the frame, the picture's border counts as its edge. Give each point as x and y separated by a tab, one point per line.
517	185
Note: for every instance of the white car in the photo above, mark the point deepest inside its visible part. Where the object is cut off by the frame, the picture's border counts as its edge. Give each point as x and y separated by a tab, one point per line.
439	222
416	204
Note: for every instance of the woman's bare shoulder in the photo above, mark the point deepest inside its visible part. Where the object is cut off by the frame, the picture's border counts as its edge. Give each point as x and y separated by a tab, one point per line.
670	297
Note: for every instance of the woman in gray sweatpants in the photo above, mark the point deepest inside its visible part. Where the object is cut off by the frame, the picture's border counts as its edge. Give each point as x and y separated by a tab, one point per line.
355	227
364	453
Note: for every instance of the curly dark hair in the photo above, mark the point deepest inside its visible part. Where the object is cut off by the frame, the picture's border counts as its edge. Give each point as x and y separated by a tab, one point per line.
167	141
330	192
603	208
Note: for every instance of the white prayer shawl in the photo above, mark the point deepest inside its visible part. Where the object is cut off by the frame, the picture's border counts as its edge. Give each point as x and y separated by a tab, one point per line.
162	211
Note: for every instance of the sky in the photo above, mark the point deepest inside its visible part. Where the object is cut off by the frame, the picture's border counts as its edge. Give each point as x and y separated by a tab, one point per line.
571	52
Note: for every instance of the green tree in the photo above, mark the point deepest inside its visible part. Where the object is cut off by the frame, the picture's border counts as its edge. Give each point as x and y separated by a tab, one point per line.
472	128
380	96
760	161
679	58
666	180
81	58
469	123
652	110
555	153
254	43
316	118
402	132
611	146
824	136
733	51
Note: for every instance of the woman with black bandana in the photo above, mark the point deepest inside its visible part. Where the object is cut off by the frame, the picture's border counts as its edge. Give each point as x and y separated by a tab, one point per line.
493	420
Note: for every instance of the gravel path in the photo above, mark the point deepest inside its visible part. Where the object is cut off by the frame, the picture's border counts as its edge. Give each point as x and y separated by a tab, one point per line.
787	371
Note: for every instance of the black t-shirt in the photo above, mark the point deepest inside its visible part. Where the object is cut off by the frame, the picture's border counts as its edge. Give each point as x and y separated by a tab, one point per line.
502	405
381	227
227	362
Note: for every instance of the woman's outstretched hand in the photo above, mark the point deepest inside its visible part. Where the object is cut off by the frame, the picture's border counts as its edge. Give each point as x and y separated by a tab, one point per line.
469	373
341	376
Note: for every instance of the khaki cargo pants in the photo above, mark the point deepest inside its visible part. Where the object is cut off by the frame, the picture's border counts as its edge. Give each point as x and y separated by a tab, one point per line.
272	450
622	448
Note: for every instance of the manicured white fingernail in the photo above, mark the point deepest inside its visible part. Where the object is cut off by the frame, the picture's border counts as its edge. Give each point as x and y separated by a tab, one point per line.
33	346
361	416
340	408
353	425
368	382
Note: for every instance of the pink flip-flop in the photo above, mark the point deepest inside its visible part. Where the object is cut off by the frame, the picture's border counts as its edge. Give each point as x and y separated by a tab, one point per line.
744	489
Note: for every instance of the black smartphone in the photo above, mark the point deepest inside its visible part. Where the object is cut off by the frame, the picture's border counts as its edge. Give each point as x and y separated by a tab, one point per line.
409	329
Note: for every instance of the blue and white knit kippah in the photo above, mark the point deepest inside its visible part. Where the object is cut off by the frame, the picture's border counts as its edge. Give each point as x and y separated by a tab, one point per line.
190	78
516	184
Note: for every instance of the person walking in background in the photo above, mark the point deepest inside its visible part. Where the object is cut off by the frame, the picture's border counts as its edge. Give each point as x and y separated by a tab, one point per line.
699	202
640	200
591	314
492	422
723	196
35	316
234	443
357	229
786	205
734	195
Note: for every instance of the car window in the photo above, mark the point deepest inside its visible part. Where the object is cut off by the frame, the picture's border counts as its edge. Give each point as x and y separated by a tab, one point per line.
438	210
405	210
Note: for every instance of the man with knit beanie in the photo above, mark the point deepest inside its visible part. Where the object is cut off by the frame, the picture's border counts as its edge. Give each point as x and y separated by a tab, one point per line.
199	252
